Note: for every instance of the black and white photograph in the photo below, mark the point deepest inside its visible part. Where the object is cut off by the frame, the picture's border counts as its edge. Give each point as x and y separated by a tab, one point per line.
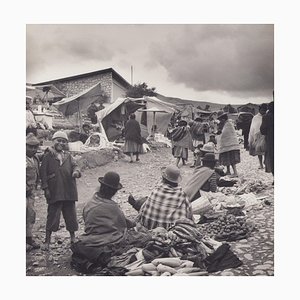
150	149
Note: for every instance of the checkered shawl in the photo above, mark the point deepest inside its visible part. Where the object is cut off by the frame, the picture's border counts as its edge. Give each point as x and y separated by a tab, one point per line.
164	206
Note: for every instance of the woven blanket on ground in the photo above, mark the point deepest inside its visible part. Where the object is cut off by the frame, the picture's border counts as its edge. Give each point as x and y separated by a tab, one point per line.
164	206
228	139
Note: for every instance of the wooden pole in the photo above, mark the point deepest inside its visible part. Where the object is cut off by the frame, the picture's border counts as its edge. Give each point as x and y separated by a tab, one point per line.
79	116
153	125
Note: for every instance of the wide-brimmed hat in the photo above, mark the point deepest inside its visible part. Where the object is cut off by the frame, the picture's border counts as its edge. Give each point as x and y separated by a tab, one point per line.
221	114
112	180
32	140
60	134
171	173
209	157
208	148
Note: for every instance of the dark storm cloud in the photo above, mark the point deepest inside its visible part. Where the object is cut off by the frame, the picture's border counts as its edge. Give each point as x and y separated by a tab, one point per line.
233	58
57	44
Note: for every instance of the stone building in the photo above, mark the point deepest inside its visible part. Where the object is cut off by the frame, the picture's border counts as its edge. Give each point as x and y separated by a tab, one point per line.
112	84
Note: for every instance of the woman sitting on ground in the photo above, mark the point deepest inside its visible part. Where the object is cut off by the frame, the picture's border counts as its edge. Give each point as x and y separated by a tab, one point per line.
204	178
96	141
166	204
106	227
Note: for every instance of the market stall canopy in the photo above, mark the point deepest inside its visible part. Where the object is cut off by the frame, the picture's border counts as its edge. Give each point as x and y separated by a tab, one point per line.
117	112
153	110
79	102
130	106
46	91
162	120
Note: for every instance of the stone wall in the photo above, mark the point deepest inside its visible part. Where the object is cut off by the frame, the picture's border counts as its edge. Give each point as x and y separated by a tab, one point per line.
71	87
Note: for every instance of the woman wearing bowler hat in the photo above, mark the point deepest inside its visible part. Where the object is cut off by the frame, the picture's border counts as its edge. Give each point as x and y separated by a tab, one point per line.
167	203
105	225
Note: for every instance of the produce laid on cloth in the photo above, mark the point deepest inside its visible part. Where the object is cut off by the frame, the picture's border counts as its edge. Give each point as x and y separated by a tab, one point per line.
228	228
167	266
180	251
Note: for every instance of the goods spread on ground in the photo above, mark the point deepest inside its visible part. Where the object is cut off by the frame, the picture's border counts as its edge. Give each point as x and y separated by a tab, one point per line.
228	228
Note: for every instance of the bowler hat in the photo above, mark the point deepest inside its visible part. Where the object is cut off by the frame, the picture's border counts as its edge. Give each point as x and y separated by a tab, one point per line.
221	114
112	180
171	173
208	148
209	157
182	123
31	139
60	134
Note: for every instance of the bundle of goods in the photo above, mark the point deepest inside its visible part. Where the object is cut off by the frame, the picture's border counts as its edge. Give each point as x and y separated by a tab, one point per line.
228	190
251	185
183	240
228	228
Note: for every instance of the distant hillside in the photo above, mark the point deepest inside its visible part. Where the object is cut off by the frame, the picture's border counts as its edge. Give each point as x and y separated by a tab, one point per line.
179	101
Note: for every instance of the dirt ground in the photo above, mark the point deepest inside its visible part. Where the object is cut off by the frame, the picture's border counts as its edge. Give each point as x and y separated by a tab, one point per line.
139	178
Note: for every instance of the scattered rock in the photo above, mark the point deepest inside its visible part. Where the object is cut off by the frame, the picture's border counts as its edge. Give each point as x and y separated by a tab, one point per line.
248	256
263	267
259	272
226	273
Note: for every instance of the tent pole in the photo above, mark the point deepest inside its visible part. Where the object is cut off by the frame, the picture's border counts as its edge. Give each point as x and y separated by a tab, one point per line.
153	125
79	117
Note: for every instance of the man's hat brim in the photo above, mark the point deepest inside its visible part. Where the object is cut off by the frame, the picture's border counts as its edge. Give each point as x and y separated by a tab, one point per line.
100	179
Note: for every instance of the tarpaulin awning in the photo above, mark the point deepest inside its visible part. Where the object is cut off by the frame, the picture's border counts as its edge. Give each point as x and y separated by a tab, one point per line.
131	107
116	112
79	102
161	120
46	91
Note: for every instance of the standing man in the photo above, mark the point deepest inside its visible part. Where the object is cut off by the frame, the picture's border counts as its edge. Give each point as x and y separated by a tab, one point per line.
32	176
267	129
58	175
244	122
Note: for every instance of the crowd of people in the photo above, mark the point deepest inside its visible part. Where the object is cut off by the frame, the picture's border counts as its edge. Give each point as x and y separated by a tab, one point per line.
106	226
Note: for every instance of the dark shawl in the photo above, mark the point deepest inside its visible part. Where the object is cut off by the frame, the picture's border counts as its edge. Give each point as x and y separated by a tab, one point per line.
133	131
267	129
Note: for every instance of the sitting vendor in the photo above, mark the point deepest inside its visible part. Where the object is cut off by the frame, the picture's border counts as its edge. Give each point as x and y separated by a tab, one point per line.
207	148
105	224
166	204
96	140
204	178
86	128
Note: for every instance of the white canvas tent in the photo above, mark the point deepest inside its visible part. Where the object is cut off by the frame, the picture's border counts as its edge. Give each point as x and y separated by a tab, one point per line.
162	119
118	111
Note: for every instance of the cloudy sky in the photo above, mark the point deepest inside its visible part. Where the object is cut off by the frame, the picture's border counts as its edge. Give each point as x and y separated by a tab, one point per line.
217	63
